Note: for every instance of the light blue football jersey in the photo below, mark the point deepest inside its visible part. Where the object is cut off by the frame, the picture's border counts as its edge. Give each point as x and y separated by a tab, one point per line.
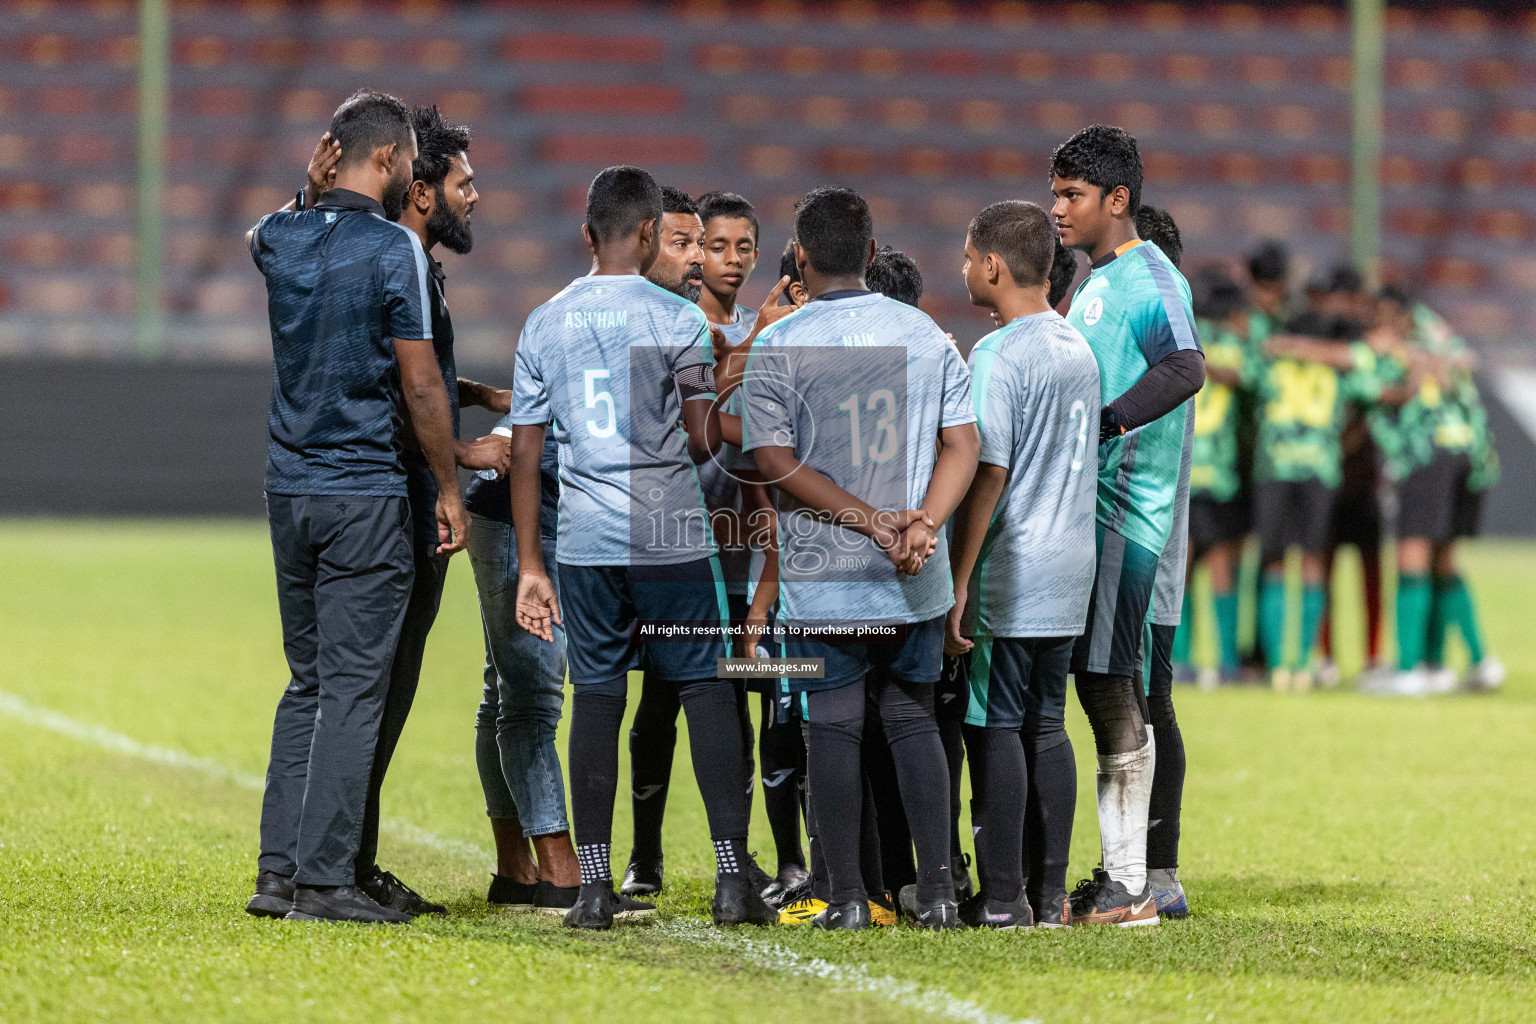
1133	310
1167	606
1035	388
859	386
718	478
599	362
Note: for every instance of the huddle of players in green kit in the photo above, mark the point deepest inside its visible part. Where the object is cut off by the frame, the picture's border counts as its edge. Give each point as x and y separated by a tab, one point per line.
1310	416
934	547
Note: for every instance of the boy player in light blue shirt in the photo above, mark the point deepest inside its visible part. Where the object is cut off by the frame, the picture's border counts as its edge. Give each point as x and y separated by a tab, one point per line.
1023	553
613	363
843	401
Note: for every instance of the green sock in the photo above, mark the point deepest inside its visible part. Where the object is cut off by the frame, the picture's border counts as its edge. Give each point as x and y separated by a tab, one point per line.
1461	611
1439	621
1413	601
1272	619
1146	657
1226	629
1181	635
1313	600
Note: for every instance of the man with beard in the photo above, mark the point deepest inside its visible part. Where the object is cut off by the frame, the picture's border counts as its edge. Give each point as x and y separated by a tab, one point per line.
352	347
437	209
679	268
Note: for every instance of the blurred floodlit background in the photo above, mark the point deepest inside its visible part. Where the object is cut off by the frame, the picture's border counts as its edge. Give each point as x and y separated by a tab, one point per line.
1253	120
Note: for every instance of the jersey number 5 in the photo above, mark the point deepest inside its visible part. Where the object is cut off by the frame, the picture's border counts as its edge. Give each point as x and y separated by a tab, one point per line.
594	396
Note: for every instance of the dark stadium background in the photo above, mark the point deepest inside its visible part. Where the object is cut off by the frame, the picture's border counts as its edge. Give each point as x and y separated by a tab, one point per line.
932	109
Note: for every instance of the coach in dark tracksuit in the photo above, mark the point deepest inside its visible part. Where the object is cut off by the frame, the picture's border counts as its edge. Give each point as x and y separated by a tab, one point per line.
347	295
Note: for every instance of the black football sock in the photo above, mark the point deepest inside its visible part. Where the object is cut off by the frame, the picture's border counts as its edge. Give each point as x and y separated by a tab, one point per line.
906	710
744	720
820	884
652	740
779	750
1052	803
952	735
1113	705
837	786
714	735
999	780
894	850
872	844
1167	785
593	756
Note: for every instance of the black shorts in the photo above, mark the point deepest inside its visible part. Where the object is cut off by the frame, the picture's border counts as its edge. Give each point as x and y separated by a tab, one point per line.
669	620
1355	519
1427	500
1467	517
1122	593
915	654
954	690
1213	522
1013	675
1291	512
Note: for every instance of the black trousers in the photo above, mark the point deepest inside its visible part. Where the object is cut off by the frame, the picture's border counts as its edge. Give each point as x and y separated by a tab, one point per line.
404	676
344	578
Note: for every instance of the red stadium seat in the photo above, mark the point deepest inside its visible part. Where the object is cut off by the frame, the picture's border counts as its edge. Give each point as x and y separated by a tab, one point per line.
227	297
1402	172
24	196
1454	272
1512	227
223	101
1163	18
1240	168
1492	73
1416	221
1323	169
107	199
1056	116
188	202
65	100
279	52
522	254
1264	70
439	55
802	61
1447	124
501	206
1188	70
118	51
1292	121
47	51
1138	118
983	115
826	111
768	161
951	63
57	295
748	109
1112	68
308	105
928	162
903	114
1033	66
1418	74
76	149
200	51
1215	120
38	249
1162	168
114	250
360	54
1330	220
848	160
723	58
879	62
615	149
577	98
563	48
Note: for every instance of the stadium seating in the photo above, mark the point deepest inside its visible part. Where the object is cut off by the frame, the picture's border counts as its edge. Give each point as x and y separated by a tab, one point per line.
932	107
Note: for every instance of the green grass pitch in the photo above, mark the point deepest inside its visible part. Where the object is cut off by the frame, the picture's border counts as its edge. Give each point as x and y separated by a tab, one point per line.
1347	858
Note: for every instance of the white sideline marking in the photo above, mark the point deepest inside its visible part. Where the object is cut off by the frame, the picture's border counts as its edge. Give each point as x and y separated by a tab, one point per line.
767	955
855	978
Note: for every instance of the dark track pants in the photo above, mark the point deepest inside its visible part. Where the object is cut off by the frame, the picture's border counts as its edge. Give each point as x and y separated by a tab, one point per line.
344	578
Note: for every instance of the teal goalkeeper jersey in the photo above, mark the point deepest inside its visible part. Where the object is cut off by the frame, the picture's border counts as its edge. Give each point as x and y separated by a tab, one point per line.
1134	309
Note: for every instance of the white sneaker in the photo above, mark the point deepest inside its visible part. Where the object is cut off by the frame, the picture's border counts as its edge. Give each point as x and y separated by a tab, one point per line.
1439	680
1412	683
1327	673
1377	679
1487	674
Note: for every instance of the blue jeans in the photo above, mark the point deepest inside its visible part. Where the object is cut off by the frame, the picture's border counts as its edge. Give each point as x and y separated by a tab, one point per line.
524	678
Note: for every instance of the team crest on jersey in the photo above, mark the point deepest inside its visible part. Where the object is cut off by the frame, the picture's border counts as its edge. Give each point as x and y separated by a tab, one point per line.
1094	311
